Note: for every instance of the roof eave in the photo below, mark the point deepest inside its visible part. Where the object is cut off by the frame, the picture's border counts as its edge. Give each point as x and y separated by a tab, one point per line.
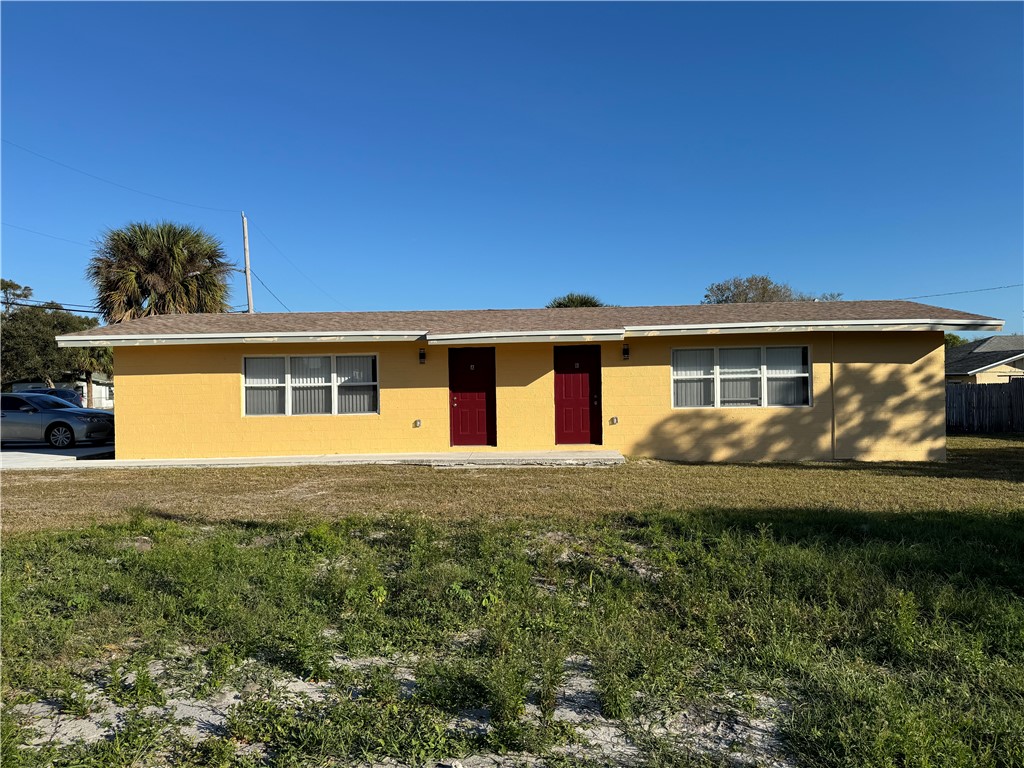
990	366
144	340
521	337
500	337
805	327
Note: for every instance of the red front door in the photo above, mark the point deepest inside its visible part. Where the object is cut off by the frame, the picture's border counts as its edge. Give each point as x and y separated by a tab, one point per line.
471	396
578	395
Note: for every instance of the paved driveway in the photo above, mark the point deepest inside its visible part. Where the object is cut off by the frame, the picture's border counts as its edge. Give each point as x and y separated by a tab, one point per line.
35	456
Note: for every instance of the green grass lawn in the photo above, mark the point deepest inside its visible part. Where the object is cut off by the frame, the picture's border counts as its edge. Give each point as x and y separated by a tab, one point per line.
870	615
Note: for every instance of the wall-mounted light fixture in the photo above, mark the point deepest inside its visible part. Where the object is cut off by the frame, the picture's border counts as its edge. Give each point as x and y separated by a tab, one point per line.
423	356
625	351
417	424
613	420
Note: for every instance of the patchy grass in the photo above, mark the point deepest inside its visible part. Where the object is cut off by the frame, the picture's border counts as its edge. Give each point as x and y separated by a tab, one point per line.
981	474
863	615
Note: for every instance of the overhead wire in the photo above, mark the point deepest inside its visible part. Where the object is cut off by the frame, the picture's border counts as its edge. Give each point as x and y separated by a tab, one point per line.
169	200
44	234
957	293
20	303
114	183
269	291
51	301
296	266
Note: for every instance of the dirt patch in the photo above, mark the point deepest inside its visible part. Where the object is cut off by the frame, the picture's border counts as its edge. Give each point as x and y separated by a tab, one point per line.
720	732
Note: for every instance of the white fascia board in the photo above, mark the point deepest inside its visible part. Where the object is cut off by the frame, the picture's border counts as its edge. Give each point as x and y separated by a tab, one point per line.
523	337
984	368
154	340
804	327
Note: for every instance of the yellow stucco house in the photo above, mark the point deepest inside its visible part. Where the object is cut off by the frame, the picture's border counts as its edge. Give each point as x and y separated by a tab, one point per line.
731	382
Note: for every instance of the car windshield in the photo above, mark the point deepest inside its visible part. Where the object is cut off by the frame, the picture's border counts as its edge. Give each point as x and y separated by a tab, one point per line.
48	401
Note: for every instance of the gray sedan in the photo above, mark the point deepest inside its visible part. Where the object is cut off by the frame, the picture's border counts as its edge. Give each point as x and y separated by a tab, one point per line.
27	416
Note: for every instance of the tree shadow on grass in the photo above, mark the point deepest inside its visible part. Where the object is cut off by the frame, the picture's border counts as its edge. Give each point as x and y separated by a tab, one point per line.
1003	463
966	546
199	519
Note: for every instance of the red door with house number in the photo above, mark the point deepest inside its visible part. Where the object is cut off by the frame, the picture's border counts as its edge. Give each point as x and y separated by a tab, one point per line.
578	395
471	384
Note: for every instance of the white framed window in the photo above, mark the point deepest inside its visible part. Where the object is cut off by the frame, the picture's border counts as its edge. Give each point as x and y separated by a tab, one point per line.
310	384
693	378
358	391
787	376
265	385
741	377
300	385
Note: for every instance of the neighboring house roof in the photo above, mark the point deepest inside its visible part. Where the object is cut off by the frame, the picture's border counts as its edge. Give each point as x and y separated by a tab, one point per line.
984	354
498	325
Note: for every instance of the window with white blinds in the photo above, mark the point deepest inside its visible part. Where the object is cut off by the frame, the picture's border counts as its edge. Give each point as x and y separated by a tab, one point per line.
741	377
313	384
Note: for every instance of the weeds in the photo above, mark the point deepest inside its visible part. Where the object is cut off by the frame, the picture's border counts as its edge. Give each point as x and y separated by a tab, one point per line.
134	687
366	729
898	635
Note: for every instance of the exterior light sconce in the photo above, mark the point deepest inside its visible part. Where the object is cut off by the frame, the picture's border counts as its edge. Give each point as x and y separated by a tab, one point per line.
613	420
417	424
625	351
423	356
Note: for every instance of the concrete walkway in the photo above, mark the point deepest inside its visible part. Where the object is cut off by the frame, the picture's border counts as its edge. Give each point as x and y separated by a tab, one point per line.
79	458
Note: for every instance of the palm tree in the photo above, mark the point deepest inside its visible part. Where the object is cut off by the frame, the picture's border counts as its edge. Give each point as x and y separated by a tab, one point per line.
158	269
575	300
88	360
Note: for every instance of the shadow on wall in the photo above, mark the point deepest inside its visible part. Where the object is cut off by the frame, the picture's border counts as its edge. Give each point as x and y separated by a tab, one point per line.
878	411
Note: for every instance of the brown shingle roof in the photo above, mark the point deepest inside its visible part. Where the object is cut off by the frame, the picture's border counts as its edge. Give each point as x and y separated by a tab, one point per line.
512	321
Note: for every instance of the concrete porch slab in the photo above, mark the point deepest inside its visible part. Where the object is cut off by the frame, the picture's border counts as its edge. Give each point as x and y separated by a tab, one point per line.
461	460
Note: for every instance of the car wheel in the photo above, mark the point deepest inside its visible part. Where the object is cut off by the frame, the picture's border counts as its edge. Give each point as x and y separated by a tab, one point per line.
60	436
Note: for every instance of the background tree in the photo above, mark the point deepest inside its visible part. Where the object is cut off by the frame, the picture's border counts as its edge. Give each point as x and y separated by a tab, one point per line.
575	300
158	269
954	340
28	349
11	293
87	361
758	288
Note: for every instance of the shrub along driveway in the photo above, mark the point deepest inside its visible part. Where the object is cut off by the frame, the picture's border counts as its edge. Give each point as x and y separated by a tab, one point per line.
650	614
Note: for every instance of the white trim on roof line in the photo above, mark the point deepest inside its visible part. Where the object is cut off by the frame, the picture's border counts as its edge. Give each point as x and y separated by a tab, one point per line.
290	337
791	326
984	368
499	337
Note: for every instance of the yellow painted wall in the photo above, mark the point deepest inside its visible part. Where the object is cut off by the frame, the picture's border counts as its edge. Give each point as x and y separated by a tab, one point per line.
187	402
890	394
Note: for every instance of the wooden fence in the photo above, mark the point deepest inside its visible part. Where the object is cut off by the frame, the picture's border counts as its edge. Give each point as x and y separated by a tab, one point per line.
985	408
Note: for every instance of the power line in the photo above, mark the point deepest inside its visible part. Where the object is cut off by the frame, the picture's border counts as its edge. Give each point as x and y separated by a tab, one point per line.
956	293
61	303
62	306
53	237
296	267
114	183
270	291
169	200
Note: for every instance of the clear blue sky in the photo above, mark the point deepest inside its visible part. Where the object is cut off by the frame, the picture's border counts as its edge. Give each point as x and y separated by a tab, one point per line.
431	156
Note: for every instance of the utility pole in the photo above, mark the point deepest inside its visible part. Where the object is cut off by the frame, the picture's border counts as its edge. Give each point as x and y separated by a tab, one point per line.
248	277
